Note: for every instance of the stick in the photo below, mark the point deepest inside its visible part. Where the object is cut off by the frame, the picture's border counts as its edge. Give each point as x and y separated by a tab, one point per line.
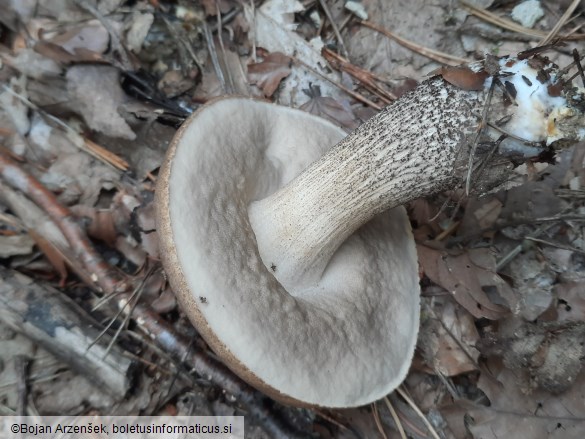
56	323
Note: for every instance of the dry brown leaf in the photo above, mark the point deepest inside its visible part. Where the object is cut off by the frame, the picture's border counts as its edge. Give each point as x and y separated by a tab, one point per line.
268	73
447	339
60	55
100	223
330	109
531	200
518	412
462	77
468	278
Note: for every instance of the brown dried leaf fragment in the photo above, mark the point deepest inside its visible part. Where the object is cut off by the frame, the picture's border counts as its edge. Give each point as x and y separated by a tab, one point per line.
447	339
330	109
463	77
468	277
267	74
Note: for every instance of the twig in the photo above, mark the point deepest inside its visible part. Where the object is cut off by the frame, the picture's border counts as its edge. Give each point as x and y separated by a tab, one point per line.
435	55
230	84
411	403
352	93
395	417
555	30
21	371
510	25
213	56
555	244
480	129
335	28
577	61
62	328
252	36
100	272
378	421
366	77
518	249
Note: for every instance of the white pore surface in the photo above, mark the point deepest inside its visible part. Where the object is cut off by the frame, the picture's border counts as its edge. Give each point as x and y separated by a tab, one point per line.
351	339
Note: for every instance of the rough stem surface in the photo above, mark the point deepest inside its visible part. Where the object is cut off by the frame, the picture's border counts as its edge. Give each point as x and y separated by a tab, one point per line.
410	149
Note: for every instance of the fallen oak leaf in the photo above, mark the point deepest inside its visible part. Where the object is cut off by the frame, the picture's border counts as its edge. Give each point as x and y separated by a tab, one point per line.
329	108
466	280
267	74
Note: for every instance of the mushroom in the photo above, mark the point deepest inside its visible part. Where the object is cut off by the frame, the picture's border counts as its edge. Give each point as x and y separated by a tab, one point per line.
285	242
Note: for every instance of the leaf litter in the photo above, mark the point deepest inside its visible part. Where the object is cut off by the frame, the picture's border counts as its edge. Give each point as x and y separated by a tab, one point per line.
500	350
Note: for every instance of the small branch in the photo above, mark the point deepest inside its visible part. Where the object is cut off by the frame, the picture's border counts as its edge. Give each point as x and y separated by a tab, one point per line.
63	329
213	56
21	366
395	417
555	30
352	93
435	55
508	24
100	272
418	411
335	28
366	77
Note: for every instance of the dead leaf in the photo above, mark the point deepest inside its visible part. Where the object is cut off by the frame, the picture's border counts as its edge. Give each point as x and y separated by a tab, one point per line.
268	73
330	109
447	339
467	280
15	245
516	411
97	94
463	77
100	223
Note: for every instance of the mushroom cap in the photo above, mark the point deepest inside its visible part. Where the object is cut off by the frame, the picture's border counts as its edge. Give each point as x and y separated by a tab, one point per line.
349	339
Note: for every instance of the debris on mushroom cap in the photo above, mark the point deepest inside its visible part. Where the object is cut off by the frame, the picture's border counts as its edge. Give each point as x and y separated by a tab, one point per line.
344	341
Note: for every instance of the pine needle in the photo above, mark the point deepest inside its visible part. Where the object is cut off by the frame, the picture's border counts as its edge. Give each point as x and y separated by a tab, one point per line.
435	55
395	417
418	411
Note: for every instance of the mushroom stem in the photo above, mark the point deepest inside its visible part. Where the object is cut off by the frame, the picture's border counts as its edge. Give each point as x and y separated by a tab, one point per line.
418	146
410	149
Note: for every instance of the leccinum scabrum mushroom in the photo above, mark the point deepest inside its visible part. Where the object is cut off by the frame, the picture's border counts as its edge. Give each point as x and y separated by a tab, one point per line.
307	285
